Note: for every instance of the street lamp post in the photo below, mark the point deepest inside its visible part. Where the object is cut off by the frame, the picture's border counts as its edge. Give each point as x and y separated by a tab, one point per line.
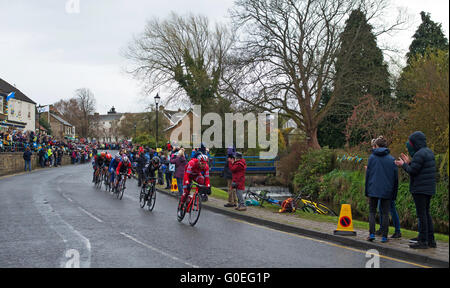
157	98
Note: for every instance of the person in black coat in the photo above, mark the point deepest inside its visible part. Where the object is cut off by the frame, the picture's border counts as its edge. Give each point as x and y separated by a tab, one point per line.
422	171
41	157
27	157
141	161
381	185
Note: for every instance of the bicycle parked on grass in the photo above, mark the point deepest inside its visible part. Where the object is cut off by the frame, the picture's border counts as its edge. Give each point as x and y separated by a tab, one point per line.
148	193
192	205
298	202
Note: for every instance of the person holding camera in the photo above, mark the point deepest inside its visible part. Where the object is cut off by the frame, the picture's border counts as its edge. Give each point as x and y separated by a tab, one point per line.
237	167
228	175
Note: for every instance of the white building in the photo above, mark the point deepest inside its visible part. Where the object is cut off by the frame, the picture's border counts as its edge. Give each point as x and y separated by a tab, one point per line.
19	112
108	126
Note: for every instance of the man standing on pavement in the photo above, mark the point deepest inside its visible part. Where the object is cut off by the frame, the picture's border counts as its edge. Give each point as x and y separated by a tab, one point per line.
140	159
27	157
232	199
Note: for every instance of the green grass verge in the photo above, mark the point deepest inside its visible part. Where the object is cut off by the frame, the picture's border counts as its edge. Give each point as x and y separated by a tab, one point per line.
408	234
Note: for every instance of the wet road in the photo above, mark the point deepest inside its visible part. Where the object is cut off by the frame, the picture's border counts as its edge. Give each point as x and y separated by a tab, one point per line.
57	218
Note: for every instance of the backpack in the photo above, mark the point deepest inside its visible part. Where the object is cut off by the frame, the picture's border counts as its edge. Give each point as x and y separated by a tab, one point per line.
287	206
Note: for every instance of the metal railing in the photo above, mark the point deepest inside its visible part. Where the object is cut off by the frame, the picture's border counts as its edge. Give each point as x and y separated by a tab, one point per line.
254	164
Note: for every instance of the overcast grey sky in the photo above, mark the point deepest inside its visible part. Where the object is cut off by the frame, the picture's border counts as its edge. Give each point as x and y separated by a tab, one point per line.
48	53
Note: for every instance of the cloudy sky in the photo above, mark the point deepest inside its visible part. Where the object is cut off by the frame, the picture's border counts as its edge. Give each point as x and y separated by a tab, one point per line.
48	51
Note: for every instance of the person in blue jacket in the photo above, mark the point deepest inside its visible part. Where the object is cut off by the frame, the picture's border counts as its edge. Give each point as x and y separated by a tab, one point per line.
113	166
381	186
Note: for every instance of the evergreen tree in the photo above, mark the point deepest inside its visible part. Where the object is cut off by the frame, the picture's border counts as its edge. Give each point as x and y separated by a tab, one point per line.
428	37
360	70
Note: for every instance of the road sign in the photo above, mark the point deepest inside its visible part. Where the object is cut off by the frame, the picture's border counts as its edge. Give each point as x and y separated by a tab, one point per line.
345	223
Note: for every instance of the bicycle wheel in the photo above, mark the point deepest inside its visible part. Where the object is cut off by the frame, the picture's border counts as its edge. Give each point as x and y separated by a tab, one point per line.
307	207
120	191
181	211
151	200
196	208
324	210
142	197
97	181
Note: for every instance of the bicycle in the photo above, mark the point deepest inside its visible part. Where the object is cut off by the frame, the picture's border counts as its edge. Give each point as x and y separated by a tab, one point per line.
98	178
305	203
308	205
148	194
120	189
261	197
192	205
107	182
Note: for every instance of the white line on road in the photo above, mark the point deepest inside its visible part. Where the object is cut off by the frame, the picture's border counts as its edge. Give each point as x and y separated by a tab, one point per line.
90	215
158	251
72	238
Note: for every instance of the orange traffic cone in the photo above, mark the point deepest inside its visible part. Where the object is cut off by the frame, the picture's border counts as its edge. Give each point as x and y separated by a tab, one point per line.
345	223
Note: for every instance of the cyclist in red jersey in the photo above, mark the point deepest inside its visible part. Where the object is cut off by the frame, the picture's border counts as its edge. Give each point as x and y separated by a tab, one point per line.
124	167
196	170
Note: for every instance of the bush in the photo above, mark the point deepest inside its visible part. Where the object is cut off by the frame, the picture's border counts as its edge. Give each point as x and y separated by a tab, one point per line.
314	164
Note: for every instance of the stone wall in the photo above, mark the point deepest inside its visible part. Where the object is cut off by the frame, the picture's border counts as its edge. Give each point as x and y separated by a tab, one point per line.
11	163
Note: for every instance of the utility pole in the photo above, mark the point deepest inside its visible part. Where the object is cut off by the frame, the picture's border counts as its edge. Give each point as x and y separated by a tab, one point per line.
157	98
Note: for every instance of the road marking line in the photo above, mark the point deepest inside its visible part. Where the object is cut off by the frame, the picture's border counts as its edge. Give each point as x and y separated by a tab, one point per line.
159	251
332	244
90	215
72	238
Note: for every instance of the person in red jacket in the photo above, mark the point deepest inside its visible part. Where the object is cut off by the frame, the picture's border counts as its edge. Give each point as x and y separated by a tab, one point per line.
123	167
196	170
238	167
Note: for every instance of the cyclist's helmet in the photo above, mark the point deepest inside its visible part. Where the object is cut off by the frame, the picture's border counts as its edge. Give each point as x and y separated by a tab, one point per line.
99	154
103	154
117	156
202	158
125	159
108	156
155	160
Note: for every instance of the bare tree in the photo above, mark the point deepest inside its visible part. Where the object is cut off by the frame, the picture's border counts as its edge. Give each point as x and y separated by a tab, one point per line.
86	103
287	53
170	49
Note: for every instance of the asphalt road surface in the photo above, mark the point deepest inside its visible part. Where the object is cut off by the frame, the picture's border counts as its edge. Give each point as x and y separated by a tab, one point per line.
57	218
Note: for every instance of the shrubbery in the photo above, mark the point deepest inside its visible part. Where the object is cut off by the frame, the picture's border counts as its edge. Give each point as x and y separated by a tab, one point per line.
321	174
314	164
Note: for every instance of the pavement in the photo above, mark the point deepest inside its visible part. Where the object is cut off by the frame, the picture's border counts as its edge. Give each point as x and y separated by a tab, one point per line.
399	248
